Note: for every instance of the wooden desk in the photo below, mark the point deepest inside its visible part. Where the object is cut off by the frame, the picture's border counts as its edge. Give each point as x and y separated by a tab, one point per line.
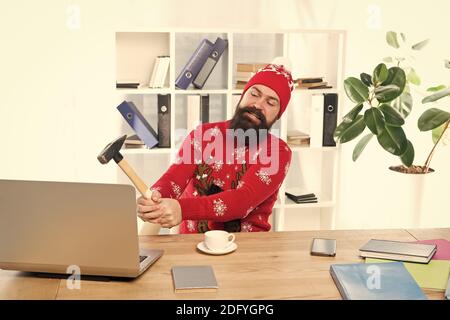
273	265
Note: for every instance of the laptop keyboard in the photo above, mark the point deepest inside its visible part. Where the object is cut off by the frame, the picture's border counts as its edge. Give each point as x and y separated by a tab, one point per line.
142	258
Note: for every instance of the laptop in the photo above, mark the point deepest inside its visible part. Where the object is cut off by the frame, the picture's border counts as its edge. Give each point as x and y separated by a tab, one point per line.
58	227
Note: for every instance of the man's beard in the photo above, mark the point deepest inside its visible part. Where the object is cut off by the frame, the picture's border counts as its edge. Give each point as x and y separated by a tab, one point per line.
241	121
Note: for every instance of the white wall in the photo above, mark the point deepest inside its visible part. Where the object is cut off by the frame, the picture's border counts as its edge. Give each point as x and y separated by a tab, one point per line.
57	86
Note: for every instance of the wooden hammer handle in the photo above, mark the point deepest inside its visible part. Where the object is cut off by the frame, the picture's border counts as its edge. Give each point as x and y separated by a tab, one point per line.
140	185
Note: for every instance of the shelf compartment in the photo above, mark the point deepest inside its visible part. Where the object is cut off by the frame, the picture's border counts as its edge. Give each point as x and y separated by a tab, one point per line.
144	48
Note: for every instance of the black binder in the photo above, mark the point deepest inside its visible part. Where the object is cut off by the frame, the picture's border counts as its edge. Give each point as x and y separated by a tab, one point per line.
329	119
164	120
204	108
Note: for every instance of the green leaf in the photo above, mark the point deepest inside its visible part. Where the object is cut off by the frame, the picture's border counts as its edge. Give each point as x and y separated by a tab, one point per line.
413	77
356	90
391	116
403	37
350	116
346	132
403	104
388	59
436	133
391	38
447	63
408	157
366	79
396	77
393	140
436	96
432	118
380	73
374	120
361	145
420	44
436	88
387	93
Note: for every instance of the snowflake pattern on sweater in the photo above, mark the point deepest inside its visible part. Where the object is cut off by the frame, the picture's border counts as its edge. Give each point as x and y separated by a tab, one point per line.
248	188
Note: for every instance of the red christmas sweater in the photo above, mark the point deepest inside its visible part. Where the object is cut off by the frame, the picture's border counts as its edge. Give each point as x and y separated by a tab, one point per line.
249	177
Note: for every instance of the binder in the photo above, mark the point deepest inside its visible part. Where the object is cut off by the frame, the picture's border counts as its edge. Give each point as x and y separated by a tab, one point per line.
164	120
137	122
162	71
329	119
204	108
193	111
219	47
316	120
155	68
195	63
323	119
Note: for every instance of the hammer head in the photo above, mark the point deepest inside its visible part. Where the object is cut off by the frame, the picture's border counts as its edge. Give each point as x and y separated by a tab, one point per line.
112	151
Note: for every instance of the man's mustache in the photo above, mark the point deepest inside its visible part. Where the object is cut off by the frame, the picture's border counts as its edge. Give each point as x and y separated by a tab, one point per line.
253	110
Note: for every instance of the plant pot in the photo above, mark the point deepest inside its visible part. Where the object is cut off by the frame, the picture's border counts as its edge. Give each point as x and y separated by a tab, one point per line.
416	193
411	170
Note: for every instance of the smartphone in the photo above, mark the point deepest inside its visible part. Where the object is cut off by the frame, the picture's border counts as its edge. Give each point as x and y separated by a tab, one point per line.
323	247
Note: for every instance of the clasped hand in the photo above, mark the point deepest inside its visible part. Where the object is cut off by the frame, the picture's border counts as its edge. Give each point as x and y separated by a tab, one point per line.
163	211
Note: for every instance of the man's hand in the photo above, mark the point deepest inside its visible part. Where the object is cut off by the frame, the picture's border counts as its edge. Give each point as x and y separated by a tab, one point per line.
164	211
147	204
168	213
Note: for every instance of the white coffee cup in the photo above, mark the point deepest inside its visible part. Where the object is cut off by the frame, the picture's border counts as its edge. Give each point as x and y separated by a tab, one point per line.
217	240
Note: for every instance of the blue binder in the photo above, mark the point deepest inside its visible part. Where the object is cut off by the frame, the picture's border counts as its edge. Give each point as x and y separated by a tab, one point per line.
138	123
195	63
219	47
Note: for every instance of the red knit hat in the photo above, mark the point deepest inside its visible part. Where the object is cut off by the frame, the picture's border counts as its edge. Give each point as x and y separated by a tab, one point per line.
278	79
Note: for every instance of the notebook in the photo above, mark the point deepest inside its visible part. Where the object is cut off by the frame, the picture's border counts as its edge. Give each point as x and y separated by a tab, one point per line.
194	279
376	281
397	250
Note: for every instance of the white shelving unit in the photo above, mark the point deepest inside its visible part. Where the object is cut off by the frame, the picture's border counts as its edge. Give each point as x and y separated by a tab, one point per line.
312	53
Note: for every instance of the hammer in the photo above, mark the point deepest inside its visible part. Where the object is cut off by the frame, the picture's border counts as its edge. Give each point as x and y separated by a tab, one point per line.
112	151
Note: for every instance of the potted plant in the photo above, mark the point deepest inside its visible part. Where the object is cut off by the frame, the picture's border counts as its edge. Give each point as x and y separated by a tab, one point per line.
382	102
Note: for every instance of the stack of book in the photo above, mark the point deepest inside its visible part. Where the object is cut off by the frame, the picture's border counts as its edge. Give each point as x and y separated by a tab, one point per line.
131	84
395	270
397	250
311	83
302	198
133	142
432	275
159	72
298	138
244	71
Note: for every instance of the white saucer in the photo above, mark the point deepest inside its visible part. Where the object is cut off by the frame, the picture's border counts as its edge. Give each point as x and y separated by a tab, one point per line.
202	247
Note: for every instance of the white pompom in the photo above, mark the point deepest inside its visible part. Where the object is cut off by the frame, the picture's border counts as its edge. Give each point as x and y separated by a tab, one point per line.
284	61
